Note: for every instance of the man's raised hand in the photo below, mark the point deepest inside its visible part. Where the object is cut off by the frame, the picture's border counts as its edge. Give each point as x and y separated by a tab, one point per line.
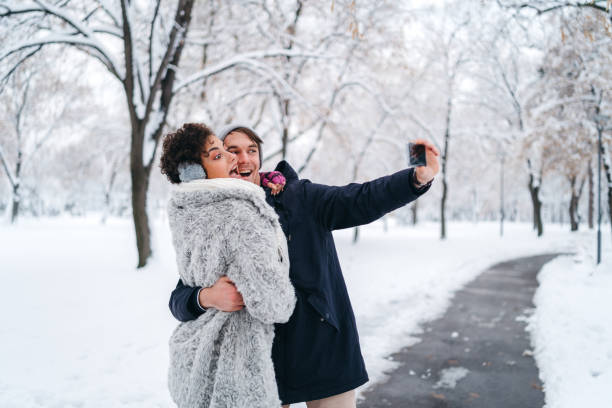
424	174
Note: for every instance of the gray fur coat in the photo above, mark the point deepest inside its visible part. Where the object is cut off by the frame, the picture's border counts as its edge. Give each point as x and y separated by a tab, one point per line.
224	360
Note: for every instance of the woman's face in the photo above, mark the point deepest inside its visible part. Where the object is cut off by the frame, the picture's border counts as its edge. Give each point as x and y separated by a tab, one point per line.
218	162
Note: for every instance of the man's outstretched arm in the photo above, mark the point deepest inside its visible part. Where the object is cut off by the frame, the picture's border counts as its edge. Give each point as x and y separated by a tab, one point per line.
358	204
190	302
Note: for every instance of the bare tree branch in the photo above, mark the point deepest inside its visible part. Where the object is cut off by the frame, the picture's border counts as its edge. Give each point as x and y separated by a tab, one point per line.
151	32
546	7
48	133
242	59
323	124
176	44
107	10
371	135
177	35
106	29
88	38
128	81
68	40
15	66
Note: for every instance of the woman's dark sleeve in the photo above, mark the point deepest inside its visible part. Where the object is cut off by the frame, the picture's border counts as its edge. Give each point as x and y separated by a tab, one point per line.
184	302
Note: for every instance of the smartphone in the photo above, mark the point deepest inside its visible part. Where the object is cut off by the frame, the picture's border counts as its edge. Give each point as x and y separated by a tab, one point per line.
416	155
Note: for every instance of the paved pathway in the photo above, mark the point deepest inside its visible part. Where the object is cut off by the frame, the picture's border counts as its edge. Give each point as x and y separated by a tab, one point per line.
478	354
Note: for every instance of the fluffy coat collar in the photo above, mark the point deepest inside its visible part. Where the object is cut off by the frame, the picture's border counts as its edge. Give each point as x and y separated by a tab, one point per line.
216	184
211	191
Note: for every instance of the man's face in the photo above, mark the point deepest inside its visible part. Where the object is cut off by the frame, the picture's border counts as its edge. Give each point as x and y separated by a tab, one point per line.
247	154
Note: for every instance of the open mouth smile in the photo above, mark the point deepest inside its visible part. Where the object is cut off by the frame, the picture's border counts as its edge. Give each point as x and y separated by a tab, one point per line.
234	172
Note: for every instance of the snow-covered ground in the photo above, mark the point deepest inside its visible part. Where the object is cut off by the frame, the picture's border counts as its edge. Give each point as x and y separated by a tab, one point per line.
81	327
571	328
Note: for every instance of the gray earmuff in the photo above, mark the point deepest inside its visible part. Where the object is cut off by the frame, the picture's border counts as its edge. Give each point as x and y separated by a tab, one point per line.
190	172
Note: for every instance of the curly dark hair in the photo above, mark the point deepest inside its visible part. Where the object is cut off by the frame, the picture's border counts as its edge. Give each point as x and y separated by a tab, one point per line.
183	146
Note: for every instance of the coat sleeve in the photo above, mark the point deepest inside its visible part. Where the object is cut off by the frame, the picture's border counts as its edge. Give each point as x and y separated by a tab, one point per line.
184	302
359	204
259	266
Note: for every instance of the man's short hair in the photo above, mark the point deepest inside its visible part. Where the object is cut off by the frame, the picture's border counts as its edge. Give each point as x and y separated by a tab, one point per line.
247	131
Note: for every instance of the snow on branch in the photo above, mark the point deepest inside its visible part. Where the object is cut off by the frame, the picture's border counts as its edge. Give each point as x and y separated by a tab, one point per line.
109	11
40	6
542	7
107	29
101	54
176	37
16	65
151	35
248	58
84	36
248	92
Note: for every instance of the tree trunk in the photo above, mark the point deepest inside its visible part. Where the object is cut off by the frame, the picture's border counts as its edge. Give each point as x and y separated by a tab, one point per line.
591	196
502	214
107	193
534	191
355	235
442	208
573	207
414	209
140	170
609	176
444	161
474	214
285	136
140	184
291	30
608	171
16	196
15	205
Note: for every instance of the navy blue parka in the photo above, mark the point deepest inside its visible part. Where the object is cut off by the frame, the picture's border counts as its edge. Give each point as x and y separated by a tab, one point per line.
316	353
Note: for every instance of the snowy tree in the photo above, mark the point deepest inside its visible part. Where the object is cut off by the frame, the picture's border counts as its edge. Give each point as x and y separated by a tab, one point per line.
300	111
506	54
30	122
143	71
140	46
447	51
569	100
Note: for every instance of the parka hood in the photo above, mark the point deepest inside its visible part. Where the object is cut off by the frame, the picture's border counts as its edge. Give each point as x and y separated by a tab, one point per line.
287	170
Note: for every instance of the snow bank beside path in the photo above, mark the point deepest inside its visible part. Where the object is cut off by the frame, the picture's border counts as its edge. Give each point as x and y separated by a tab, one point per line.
79	326
571	328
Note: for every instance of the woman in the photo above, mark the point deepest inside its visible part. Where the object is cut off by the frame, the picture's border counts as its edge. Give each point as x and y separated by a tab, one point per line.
222	226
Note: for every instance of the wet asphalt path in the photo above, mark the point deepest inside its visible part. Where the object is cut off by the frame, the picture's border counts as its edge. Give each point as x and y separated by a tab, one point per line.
478	354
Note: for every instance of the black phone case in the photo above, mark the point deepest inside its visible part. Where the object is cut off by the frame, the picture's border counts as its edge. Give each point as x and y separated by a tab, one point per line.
416	155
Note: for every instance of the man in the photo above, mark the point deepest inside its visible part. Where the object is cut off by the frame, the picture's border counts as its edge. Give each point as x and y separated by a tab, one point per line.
316	354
